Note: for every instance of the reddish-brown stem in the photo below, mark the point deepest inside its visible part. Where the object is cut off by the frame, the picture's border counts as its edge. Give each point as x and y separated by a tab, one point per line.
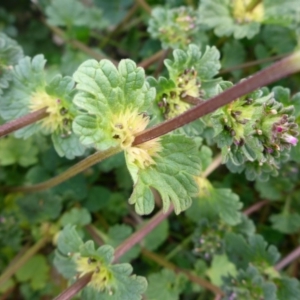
77	44
255	207
144	5
93	233
161	62
253	63
295	254
152	59
141	233
74	288
277	71
167	264
23	121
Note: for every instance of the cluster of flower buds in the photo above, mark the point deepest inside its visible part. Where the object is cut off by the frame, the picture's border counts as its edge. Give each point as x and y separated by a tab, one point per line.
255	133
208	240
241	287
187	92
178	28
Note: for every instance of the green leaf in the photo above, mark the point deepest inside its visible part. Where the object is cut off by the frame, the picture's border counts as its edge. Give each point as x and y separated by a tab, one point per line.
287	288
275	188
72	13
234	54
215	203
69	241
68	146
16	151
165	285
105	92
286	222
98	197
36	271
76	216
10	54
221	16
40	207
220	267
284	14
207	64
172	176
115	10
255	250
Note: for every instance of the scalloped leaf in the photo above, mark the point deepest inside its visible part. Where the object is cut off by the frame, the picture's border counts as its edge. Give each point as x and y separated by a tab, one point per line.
207	64
254	250
76	216
104	91
226	19
287	288
10	53
73	13
40	207
172	176
286	222
36	271
215	203
16	151
165	285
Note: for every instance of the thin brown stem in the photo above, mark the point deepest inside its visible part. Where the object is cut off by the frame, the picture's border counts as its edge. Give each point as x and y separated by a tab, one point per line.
255	207
141	233
167	264
144	5
295	254
74	170
252	5
120	26
214	164
18	263
161	62
253	63
76	287
94	234
77	44
23	121
275	72
152	59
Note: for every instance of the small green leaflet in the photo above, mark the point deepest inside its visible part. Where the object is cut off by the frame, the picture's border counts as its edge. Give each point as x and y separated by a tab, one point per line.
172	176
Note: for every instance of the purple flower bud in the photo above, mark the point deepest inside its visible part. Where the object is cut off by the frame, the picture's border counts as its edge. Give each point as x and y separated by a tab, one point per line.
279	128
290	139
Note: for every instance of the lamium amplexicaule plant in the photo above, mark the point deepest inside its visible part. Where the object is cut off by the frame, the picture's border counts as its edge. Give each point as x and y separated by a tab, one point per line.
147	151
